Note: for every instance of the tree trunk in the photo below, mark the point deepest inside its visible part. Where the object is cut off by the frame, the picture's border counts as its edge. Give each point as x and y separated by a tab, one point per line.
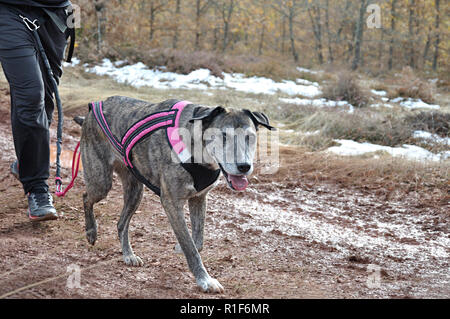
283	34
427	47
327	26
99	10
411	59
359	35
261	40
176	31
391	44
227	14
438	36
152	20
291	32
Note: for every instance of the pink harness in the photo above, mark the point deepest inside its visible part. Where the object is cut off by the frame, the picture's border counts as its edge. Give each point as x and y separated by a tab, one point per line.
168	119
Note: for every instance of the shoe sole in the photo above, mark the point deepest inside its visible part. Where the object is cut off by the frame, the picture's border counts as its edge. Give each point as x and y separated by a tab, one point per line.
41	218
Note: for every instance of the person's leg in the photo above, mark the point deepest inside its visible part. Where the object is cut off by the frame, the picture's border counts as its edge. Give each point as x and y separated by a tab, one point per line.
29	120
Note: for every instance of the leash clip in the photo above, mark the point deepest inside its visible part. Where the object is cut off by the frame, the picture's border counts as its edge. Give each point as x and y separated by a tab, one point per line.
31	25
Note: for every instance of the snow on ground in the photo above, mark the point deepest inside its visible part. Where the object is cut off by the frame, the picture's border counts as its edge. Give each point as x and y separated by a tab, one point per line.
303	70
430	137
377	105
412	152
318	103
139	75
75	62
379	93
413	104
418	104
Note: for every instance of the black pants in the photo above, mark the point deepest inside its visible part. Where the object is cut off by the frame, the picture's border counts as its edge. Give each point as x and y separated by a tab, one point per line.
32	102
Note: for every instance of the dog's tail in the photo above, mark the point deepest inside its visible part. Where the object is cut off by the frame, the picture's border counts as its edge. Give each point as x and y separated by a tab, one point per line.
79	120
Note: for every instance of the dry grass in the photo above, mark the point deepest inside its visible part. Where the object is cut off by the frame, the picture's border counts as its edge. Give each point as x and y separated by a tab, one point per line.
387	175
363	126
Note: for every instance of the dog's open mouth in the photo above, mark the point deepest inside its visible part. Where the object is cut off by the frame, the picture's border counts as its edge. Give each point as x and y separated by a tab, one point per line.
236	182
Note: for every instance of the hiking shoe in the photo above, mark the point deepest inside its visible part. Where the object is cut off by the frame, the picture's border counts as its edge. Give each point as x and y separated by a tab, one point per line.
40	207
15	169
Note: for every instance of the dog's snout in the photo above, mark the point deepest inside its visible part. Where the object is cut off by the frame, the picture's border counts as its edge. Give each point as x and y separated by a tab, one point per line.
244	167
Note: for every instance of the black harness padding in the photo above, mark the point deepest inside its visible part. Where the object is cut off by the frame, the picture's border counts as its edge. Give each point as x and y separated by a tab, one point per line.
203	177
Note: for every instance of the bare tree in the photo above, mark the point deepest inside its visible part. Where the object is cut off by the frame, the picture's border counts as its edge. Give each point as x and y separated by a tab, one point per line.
327	26
411	33
156	7
391	43
176	27
359	31
201	7
226	9
314	16
438	35
100	12
289	9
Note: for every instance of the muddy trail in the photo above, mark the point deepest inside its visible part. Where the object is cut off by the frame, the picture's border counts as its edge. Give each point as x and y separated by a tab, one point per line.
287	236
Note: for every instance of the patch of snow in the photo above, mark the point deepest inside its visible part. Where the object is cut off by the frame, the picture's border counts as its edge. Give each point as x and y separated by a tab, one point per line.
315	102
377	105
412	152
434	138
379	93
139	75
418	104
300	69
75	62
306	82
319	103
397	99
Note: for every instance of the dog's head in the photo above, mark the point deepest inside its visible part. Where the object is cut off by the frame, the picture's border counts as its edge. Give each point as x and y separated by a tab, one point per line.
230	140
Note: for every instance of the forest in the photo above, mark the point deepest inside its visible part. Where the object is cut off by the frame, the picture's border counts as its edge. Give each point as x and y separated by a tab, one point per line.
373	36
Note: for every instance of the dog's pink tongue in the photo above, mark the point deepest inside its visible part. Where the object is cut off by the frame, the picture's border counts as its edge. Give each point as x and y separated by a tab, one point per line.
239	182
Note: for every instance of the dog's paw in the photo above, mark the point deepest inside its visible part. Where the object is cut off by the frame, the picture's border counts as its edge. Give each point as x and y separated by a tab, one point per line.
133	260
210	285
91	235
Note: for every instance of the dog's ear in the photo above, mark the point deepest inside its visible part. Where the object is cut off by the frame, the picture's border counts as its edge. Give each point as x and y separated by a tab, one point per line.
259	118
206	114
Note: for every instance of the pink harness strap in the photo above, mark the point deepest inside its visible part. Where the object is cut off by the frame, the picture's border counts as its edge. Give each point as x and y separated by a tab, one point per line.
173	133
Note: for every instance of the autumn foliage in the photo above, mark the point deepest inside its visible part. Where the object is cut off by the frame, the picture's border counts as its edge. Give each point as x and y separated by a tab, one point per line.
411	33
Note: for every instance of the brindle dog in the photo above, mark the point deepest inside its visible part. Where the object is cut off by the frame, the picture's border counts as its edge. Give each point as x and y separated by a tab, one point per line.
155	161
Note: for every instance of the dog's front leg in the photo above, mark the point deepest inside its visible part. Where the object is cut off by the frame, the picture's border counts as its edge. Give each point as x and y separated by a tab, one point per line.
197	210
174	211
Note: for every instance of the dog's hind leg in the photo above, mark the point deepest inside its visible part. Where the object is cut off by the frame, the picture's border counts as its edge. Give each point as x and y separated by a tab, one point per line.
132	196
98	179
197	210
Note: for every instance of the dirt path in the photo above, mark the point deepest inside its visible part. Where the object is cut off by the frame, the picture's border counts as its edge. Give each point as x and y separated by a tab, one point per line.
285	237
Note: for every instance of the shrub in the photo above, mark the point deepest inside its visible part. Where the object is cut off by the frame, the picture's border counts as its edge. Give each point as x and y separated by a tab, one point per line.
409	85
434	122
345	87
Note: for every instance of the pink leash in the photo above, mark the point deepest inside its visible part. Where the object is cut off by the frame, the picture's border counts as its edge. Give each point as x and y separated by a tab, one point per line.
59	191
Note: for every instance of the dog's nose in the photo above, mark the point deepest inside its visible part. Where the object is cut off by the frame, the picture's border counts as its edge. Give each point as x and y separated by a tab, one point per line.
243	167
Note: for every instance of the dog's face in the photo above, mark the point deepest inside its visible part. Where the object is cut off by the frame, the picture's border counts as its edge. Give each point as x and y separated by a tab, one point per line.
230	140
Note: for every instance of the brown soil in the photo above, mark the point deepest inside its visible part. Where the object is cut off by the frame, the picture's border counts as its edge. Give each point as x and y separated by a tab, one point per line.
288	236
